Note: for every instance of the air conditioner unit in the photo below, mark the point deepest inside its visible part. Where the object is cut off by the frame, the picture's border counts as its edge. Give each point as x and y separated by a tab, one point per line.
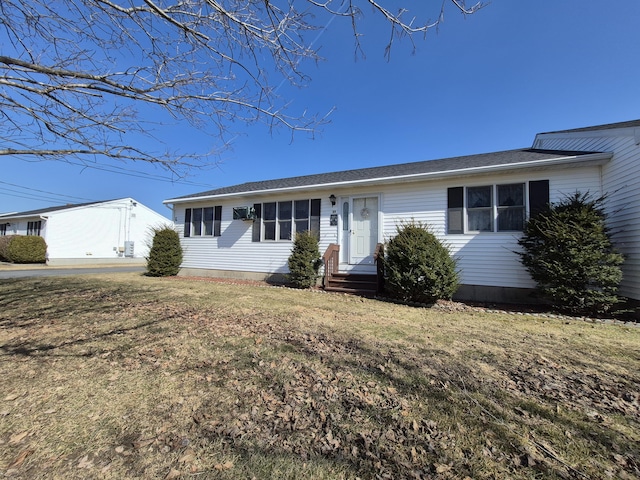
243	213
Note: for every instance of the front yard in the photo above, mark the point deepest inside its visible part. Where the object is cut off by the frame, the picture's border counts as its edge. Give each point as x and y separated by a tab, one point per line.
123	376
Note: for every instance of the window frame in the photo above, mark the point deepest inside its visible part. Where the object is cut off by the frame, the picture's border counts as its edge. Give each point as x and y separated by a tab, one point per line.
279	221
534	194
507	209
483	208
202	222
34	228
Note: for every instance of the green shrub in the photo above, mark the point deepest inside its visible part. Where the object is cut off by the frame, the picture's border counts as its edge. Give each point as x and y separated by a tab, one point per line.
4	247
26	249
568	252
418	267
165	254
304	260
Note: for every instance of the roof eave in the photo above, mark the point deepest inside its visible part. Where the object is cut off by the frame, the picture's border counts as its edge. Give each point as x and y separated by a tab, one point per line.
588	159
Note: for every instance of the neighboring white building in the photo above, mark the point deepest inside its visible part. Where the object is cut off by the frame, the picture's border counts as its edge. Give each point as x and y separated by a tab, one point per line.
477	204
113	231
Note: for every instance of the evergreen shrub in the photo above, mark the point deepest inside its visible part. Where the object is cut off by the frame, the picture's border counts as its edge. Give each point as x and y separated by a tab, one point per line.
568	252
165	254
26	249
4	247
418	267
304	261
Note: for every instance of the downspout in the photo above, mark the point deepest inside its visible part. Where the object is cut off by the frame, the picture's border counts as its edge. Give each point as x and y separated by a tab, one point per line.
173	217
45	218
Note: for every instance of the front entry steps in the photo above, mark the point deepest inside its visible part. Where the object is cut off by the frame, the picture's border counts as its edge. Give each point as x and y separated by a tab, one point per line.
353	283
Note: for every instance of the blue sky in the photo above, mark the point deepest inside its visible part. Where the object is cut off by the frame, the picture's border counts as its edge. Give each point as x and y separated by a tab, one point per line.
483	83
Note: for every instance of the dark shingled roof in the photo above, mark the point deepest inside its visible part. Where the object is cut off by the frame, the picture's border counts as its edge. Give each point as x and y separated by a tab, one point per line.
607	126
42	211
399	170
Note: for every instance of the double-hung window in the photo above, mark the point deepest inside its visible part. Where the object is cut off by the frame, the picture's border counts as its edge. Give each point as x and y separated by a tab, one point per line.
33	228
280	221
480	209
494	208
511	207
203	222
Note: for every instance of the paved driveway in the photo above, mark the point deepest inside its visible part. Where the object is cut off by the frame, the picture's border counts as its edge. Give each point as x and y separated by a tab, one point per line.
25	271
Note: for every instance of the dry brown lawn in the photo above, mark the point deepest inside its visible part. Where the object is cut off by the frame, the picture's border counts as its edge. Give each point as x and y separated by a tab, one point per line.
123	376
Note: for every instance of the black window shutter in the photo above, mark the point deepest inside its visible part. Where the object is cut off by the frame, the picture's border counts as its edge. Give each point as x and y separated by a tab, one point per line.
455	197
187	222
217	220
538	196
314	219
255	234
455	202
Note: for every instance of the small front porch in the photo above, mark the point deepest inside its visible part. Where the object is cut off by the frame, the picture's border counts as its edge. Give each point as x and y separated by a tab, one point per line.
364	280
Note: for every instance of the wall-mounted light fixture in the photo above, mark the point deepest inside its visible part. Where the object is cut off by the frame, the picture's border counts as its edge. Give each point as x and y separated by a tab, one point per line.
332	199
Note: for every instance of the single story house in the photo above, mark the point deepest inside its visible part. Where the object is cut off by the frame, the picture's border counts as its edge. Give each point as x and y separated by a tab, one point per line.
477	204
112	231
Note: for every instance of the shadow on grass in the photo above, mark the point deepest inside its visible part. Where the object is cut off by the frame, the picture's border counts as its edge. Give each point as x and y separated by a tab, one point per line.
60	307
466	424
30	348
28	302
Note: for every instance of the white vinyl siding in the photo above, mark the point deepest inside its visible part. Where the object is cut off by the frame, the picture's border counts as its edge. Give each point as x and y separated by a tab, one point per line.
234	250
483	259
620	180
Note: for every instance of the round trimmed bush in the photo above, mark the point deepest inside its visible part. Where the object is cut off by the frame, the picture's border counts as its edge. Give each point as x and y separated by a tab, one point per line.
165	255
568	252
418	267
26	249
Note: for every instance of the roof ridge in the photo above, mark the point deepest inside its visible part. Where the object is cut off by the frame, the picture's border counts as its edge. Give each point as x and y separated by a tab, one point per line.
408	169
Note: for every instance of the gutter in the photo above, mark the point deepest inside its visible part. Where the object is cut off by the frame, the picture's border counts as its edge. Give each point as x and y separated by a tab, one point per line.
594	158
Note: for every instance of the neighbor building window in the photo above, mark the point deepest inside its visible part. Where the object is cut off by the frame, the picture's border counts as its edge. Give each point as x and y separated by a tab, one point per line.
280	221
33	228
203	222
494	208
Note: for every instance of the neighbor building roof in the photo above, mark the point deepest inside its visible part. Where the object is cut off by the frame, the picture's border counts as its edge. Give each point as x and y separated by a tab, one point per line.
42	211
479	163
606	126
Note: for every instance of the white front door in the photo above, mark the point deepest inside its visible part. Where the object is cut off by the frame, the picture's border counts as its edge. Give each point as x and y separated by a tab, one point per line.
364	230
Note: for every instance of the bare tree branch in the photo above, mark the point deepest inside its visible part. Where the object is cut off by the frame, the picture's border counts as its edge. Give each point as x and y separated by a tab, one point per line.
79	78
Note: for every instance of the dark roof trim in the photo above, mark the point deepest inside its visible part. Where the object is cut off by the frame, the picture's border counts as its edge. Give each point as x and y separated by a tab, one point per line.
42	211
432	169
607	126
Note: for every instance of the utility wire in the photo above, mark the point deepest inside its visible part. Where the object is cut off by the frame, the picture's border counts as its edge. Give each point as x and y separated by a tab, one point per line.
138	174
43	191
30	197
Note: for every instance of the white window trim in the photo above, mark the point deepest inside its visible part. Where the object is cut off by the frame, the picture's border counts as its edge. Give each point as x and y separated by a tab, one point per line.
494	209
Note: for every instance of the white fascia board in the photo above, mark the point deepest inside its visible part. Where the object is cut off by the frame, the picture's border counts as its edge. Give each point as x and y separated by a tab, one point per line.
589	159
21	217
